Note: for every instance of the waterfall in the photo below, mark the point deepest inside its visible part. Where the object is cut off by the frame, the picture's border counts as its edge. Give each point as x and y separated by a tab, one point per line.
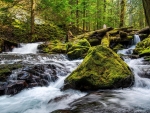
129	51
136	40
26	48
136	97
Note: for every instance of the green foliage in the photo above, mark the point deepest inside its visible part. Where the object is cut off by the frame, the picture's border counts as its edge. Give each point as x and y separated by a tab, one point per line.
81	15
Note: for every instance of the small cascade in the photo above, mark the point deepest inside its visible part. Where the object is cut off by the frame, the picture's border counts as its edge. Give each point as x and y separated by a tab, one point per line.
136	40
138	96
129	51
26	48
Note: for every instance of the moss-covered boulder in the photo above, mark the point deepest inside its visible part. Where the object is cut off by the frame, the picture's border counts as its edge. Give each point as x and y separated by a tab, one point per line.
143	47
78	49
101	69
6	69
54	46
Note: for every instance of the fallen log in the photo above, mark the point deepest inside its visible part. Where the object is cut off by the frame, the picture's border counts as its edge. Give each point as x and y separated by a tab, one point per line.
123	34
124	28
108	36
143	36
95	34
144	31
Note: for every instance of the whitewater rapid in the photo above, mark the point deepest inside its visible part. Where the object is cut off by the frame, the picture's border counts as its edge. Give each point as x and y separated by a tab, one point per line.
36	100
40	99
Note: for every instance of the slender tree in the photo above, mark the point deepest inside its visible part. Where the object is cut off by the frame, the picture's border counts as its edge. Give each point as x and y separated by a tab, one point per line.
146	5
32	16
122	13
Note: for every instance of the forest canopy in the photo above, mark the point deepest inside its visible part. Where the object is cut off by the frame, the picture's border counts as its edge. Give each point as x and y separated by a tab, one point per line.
81	15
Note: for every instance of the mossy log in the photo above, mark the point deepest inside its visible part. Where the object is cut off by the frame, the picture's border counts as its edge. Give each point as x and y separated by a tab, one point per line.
123	34
117	35
106	40
98	33
124	28
144	31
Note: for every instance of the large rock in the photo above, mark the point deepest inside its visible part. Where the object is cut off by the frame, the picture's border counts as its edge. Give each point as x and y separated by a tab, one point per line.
143	47
54	46
78	49
7	45
101	69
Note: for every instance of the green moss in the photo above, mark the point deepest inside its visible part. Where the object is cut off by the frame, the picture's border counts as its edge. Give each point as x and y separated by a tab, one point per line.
54	46
78	49
101	68
118	47
105	41
5	70
143	47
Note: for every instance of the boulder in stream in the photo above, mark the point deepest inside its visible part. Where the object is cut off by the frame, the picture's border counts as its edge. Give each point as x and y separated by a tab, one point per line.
102	68
78	49
143	47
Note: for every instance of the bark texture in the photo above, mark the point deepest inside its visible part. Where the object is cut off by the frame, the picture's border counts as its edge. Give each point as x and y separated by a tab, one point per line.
146	5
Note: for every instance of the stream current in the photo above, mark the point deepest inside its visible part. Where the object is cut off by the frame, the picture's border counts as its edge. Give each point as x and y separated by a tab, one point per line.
35	100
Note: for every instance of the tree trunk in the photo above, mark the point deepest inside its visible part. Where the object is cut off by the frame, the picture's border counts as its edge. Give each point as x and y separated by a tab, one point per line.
104	13
146	5
122	13
84	15
32	16
77	14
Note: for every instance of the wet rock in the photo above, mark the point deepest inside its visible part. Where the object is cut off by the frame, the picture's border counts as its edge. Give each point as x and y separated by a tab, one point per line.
50	78
62	111
100	102
6	69
44	82
30	85
59	98
15	86
29	76
2	88
24	76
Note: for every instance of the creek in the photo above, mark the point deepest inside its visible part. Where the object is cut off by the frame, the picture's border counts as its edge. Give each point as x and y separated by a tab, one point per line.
40	99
